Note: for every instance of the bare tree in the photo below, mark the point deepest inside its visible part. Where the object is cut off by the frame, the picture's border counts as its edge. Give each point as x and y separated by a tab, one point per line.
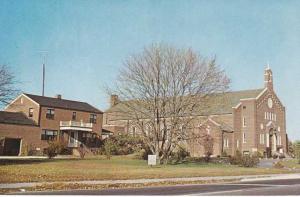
208	145
163	89
7	85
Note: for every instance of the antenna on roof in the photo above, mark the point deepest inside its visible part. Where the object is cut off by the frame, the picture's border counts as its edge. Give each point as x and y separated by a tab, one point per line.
44	56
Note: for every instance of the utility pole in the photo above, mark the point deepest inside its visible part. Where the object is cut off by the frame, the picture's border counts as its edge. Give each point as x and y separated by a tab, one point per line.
43	93
44	55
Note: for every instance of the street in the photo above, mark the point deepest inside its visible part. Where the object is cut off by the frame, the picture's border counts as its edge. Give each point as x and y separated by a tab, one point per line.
266	187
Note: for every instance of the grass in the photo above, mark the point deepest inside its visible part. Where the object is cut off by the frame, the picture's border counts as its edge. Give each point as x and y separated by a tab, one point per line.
119	167
292	163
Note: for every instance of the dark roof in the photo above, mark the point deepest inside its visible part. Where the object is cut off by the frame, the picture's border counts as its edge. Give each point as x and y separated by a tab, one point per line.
63	103
15	118
225	127
221	103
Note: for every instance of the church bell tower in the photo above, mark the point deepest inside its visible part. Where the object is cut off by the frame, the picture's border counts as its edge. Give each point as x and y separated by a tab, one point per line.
268	78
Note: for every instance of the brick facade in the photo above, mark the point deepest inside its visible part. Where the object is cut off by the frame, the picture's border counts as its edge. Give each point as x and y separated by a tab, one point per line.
255	122
70	118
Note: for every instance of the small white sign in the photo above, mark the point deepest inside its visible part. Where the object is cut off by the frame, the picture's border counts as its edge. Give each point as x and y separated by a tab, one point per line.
152	160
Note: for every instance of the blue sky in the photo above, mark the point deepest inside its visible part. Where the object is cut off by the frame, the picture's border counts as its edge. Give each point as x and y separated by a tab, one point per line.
87	41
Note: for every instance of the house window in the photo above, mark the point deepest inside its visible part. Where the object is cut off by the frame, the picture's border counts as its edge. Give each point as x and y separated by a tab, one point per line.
244	138
49	135
93	118
50	113
244	122
30	113
74	115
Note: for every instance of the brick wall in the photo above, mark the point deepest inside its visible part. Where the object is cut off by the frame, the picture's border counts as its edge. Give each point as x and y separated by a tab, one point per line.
30	135
22	104
66	115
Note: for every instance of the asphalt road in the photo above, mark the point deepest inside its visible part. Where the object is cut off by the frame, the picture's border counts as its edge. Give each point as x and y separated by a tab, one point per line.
268	187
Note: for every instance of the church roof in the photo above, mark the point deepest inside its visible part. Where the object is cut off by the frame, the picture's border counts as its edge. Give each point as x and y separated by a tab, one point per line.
216	104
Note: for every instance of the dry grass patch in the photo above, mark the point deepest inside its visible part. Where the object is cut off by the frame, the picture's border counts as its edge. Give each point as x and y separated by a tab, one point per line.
291	163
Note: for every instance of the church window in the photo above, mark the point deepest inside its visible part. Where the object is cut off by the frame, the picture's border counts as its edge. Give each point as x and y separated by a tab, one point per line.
132	131
265	115
272	116
208	130
147	129
262	138
279	140
226	143
244	122
244	137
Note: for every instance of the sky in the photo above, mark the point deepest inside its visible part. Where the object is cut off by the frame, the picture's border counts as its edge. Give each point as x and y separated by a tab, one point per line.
88	41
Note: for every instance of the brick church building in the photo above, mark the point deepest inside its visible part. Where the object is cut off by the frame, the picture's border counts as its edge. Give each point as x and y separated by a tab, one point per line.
248	120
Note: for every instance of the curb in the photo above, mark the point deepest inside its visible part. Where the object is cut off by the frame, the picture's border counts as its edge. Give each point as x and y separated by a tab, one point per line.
135	181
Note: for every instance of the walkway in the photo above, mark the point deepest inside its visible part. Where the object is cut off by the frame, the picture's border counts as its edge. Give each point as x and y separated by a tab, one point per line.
136	181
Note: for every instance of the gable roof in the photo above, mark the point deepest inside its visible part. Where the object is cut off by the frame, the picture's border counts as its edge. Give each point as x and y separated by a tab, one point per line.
63	103
216	104
15	118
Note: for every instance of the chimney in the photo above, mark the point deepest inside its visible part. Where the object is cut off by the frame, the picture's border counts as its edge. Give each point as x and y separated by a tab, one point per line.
114	99
58	96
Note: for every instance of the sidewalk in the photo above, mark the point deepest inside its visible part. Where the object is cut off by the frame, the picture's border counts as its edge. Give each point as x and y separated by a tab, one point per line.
135	181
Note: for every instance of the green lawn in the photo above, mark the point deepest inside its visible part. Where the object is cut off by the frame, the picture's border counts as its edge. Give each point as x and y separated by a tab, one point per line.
117	168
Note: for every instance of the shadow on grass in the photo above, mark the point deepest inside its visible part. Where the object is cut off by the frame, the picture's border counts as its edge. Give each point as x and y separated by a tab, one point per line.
32	161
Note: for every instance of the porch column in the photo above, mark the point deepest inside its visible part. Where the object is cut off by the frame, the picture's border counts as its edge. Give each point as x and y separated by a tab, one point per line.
267	139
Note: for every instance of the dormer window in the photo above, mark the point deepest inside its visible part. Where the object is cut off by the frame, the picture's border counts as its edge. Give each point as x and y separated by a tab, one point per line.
30	112
50	113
